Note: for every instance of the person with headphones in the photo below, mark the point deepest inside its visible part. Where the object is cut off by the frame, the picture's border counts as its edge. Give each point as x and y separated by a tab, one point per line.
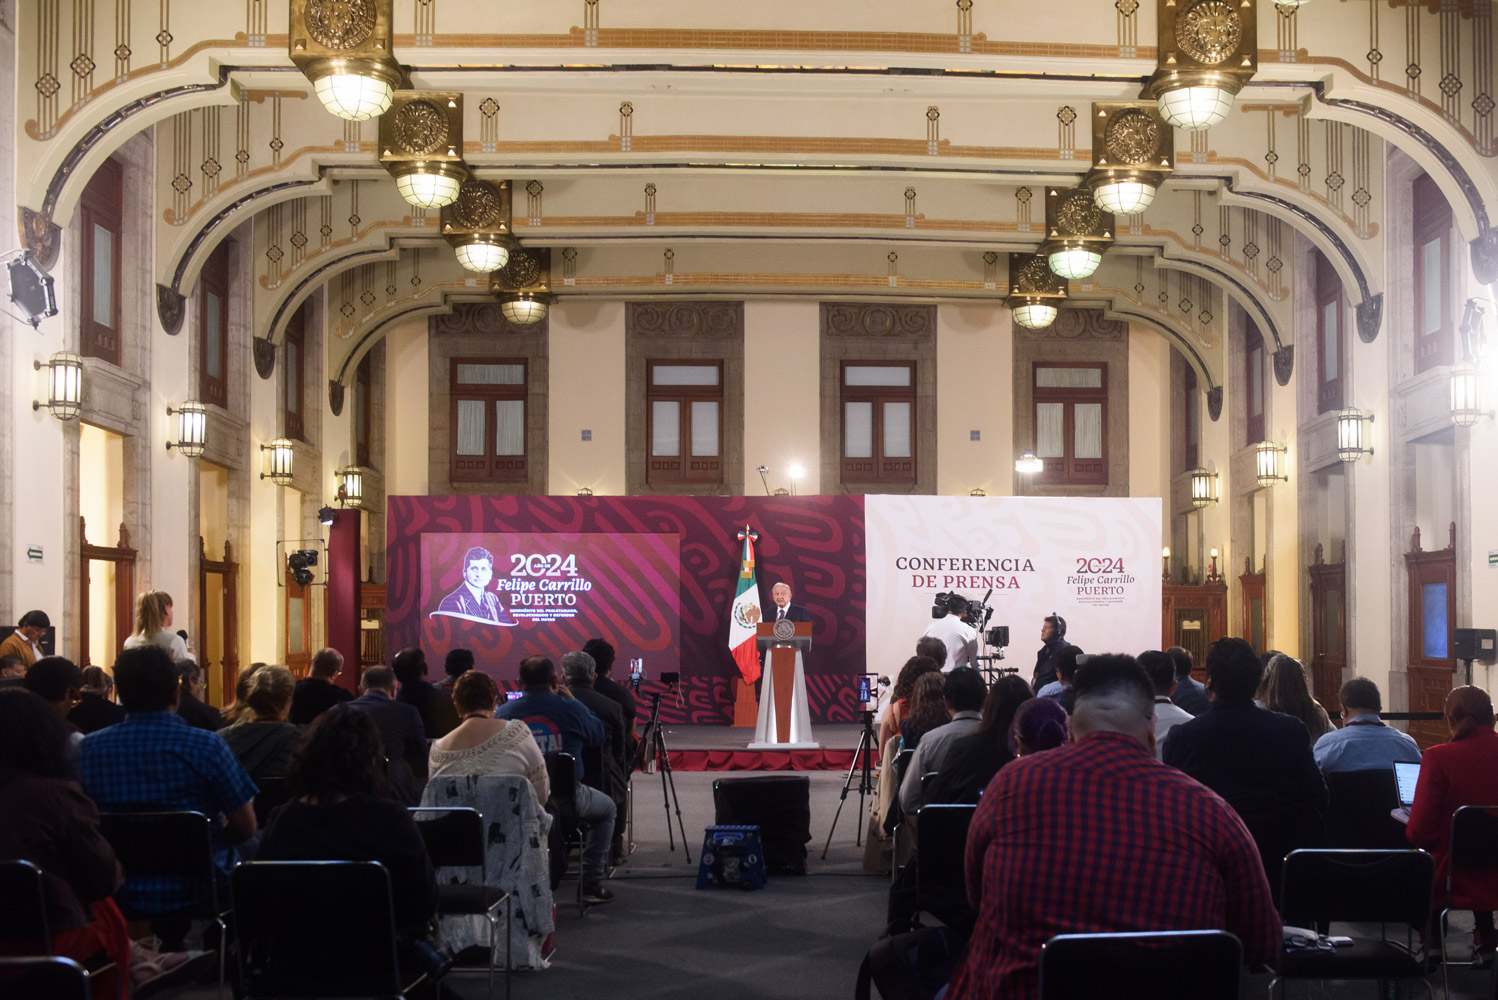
1053	640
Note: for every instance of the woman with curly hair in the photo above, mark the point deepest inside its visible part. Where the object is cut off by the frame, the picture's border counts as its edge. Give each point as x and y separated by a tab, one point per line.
928	709
1284	689
899	695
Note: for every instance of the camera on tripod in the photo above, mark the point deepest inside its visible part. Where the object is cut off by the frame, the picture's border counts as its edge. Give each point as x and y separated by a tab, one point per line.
976	613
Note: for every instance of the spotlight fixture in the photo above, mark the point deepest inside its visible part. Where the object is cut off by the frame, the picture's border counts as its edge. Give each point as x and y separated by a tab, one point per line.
1203	488
1077	232
299	564
192	428
1207	51
345	50
523	286
31	289
1035	291
64	385
350	486
421	145
1269	460
1133	151
477	225
281	457
1351	443
325	516
1028	464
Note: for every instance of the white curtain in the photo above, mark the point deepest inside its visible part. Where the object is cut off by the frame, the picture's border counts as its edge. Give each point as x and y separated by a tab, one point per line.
293	393
858	430
1329	333
705	430
1050	435
471	426
1068	378
1087	432
876	375
684	375
491	374
210	335
1430	272
103	277
896	430
665	428
509	427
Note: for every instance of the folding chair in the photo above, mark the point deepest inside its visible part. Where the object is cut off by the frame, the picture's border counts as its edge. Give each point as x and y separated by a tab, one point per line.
939	855
1472	862
1379	887
902	837
1164	965
562	772
170	845
35	977
273	792
23	918
1358	816
455	839
316	929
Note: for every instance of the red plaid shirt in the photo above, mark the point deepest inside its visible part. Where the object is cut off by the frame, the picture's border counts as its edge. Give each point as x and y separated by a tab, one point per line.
1094	837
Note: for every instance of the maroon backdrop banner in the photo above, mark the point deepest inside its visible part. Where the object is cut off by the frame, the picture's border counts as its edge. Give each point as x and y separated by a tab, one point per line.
816	544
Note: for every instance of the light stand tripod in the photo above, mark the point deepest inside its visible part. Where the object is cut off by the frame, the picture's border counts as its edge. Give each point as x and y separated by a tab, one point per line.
863	759
654	748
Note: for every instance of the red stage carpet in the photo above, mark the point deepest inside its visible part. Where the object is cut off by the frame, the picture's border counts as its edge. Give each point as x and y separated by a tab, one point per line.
722	748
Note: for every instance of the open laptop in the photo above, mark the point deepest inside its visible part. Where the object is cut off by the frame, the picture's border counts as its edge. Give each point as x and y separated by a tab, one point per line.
1406	774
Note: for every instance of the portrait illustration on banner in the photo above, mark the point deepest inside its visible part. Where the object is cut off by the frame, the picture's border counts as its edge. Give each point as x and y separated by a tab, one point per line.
472	600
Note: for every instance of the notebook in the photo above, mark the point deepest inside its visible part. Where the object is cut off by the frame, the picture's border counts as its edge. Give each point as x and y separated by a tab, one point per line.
1406	773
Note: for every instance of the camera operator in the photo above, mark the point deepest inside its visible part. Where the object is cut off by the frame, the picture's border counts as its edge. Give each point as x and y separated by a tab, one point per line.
961	639
1052	640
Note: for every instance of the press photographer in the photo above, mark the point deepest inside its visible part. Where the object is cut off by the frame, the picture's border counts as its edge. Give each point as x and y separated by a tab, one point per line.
953	628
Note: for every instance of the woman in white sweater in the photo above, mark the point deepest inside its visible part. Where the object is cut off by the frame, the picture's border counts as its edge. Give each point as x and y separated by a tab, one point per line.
483	744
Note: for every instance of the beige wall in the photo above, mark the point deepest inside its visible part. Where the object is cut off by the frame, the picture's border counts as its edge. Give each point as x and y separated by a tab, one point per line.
101	502
1149	418
974	354
406	409
1285	568
586	389
781	395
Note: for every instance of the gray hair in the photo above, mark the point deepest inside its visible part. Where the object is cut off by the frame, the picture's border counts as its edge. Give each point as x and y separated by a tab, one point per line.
579	667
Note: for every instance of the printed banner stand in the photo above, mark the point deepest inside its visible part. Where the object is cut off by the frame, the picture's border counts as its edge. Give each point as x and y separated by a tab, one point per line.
784	719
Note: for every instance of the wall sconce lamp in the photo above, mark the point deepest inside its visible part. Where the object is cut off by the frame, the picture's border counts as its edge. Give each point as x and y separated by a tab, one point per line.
281	454
1269	463
192	428
1351	441
1212	575
1466	390
64	385
1203	488
350	486
1165	563
1028	464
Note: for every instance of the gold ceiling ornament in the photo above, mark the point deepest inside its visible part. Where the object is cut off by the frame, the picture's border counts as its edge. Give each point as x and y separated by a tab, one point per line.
1133	151
344	48
1207	51
1035	291
523	285
421	144
477	225
1077	232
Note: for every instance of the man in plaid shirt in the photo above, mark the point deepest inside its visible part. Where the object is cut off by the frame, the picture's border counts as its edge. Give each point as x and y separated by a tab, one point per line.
1098	836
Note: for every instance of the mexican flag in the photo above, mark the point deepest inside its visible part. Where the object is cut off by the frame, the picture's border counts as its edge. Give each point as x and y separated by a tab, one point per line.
745	614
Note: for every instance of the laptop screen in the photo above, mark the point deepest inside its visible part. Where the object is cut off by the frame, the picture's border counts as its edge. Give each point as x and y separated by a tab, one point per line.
1405	776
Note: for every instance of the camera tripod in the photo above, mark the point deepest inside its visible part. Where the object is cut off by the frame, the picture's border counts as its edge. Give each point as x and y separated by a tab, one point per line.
653	749
863	759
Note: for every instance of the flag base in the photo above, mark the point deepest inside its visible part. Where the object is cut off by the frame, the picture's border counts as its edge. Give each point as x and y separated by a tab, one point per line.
745	705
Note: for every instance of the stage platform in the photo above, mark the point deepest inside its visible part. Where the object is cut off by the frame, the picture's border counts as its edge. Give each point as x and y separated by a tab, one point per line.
724	748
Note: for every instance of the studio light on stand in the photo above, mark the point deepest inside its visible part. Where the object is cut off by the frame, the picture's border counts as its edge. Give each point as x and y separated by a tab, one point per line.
764	472
326	515
192	428
1027	464
31	289
795	472
64	385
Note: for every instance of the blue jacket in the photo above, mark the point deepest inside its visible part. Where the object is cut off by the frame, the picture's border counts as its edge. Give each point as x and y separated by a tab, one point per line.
558	723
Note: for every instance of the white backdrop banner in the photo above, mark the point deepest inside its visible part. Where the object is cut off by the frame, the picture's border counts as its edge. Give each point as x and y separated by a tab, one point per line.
1094	561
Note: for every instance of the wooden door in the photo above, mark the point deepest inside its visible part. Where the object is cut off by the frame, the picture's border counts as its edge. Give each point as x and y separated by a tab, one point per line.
1432	598
1255	627
298	627
218	624
122	558
1328	629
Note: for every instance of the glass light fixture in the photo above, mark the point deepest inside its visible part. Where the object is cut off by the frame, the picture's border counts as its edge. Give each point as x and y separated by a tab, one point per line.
1075	261
523	308
350	486
584	491
1123	196
356	96
1165	563
1466	402
1028	464
192	428
281	457
1035	315
1212	574
64	385
1203	488
1351	444
1269	463
483	253
977	491
1195	108
427	183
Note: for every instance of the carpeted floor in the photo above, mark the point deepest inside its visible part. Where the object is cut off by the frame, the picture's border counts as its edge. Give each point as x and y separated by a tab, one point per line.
801	938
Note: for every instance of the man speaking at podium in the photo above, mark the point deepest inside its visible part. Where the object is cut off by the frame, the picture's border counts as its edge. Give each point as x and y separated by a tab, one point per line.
781	595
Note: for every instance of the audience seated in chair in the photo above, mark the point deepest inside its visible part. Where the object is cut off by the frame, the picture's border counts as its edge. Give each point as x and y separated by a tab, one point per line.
262	739
438	716
1162	673
904	686
603	665
1190	693
1364	742
927	710
317	692
58	681
340	812
191	707
580	672
402	733
962	696
1463	772
1118	828
563	724
483	744
1286	690
1260	761
94	710
971	761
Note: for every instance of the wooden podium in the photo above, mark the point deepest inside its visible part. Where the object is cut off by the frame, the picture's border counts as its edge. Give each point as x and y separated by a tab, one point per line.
784	718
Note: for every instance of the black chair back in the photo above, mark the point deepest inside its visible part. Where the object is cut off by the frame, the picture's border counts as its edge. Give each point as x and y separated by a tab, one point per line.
23	918
176	845
35	978
273	792
315	928
561	769
1357	886
1175	965
902	761
941	847
1358	817
454	836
